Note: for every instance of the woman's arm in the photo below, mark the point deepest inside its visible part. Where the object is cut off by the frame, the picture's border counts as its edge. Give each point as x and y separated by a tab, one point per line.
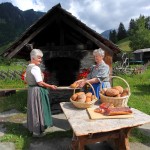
38	77
93	80
43	84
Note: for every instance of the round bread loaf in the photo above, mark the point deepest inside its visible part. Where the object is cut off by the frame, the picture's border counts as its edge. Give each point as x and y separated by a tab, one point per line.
80	93
111	92
125	92
118	95
119	88
74	97
89	94
94	97
88	99
81	98
74	85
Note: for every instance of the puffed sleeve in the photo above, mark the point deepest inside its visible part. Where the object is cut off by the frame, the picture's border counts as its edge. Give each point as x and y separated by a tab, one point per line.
36	71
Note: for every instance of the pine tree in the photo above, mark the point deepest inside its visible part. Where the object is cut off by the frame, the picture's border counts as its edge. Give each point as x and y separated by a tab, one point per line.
122	33
132	26
147	23
113	36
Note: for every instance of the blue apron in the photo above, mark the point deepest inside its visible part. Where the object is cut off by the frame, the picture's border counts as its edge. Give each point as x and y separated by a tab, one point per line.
96	87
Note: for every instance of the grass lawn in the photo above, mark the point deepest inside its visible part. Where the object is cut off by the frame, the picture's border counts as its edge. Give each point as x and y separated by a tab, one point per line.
124	45
139	99
15	83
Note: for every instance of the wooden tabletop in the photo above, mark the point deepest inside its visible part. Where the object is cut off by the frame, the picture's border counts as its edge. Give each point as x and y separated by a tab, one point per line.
83	125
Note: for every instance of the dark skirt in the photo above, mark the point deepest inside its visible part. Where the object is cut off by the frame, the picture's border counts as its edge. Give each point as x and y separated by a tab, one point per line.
38	109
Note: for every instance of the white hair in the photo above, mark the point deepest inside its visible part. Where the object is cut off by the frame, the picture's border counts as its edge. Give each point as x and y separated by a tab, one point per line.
36	52
99	51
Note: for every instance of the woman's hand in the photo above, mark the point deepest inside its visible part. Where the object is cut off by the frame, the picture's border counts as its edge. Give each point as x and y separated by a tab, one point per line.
82	83
43	84
54	87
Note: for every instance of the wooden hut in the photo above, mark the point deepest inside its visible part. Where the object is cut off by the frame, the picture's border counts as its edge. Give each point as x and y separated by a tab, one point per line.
67	43
142	55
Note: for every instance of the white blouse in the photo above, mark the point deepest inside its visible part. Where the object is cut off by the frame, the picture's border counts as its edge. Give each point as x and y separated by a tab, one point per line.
36	71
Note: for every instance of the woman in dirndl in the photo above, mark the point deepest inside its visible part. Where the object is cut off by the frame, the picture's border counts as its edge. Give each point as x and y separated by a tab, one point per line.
38	105
99	73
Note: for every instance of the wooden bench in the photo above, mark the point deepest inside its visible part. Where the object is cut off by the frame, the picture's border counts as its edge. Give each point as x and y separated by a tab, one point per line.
7	92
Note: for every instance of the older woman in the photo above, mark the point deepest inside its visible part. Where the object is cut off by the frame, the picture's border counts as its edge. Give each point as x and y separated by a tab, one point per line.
38	107
99	73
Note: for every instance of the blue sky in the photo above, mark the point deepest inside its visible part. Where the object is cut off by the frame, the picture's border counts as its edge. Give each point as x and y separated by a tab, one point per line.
99	15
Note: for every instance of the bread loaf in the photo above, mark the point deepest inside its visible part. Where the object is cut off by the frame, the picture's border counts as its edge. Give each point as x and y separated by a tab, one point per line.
81	98
74	97
125	92
111	92
80	93
118	95
119	88
94	97
74	85
89	94
88	99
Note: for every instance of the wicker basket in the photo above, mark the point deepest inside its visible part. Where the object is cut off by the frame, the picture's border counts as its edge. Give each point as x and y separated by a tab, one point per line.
81	104
116	101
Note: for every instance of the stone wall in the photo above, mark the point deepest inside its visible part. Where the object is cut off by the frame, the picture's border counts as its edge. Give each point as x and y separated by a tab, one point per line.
88	60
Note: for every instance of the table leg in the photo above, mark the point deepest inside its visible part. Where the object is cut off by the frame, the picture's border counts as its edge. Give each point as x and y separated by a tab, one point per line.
74	143
123	142
77	143
81	143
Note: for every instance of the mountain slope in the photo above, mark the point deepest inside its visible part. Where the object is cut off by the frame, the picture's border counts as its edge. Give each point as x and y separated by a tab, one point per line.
105	34
14	21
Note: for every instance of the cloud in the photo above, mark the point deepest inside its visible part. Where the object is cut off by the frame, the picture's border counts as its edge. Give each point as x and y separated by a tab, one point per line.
100	15
37	5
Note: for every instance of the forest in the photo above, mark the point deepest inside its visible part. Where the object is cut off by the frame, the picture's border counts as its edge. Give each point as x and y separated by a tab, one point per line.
138	33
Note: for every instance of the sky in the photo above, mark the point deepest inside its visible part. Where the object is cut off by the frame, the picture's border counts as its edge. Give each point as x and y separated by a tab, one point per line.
99	15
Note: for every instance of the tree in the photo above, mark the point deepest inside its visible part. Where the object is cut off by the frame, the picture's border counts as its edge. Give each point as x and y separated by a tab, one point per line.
113	36
132	26
122	33
147	23
141	35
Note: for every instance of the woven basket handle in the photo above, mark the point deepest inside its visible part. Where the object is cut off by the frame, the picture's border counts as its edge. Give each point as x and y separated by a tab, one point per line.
122	80
89	85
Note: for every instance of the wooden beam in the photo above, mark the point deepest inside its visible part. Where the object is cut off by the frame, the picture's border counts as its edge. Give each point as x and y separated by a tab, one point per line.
86	34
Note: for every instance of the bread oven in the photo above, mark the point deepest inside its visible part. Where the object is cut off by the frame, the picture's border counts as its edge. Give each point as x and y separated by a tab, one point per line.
62	70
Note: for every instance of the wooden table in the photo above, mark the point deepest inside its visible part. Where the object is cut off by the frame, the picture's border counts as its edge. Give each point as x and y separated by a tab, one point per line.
87	131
